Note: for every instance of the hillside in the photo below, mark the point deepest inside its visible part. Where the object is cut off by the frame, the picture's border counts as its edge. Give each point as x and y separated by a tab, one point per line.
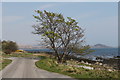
31	47
100	46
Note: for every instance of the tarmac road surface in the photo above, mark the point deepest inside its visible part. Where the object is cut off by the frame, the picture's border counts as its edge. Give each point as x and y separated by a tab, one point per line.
25	68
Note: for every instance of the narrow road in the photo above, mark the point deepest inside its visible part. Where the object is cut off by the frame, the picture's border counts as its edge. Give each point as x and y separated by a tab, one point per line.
25	68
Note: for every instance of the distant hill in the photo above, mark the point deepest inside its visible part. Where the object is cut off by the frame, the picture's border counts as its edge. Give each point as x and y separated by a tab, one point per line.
100	46
31	47
43	47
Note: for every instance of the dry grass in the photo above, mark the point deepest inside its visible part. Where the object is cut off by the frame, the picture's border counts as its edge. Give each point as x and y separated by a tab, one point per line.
41	54
1	58
75	72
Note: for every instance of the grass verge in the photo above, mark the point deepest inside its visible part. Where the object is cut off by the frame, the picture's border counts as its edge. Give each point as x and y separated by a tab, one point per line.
4	63
17	55
52	66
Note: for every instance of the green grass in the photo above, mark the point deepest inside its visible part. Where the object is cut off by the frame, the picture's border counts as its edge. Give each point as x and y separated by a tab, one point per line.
52	66
5	63
29	53
42	57
18	55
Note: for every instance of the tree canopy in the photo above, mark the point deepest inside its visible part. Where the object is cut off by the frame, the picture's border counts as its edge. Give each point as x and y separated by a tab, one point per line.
9	46
63	35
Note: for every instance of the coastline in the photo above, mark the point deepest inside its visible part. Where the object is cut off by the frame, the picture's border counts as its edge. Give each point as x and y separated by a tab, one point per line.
99	52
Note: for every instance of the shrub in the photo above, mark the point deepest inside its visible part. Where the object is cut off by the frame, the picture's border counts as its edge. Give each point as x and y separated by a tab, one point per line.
42	57
9	46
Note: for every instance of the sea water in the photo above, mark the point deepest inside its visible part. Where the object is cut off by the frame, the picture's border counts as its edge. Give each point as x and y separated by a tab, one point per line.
103	52
98	52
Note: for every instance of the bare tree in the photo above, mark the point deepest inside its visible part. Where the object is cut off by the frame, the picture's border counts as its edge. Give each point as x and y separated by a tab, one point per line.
63	36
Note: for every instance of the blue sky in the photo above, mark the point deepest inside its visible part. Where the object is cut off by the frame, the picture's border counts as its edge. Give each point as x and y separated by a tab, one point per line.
0	20
99	19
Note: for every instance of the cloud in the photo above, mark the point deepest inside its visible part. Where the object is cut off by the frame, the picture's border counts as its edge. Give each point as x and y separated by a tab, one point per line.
8	19
47	6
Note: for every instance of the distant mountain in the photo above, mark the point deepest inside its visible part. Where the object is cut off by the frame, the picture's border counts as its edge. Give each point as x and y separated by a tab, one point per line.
43	47
31	47
100	46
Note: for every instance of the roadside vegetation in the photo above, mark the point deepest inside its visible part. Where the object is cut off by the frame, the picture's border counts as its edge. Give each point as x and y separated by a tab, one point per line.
9	46
4	63
16	54
69	68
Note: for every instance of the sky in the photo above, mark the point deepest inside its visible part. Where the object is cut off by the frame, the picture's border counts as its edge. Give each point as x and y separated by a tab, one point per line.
99	19
60	0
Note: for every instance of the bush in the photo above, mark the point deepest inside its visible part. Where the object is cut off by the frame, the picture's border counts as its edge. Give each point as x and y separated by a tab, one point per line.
9	46
42	57
5	63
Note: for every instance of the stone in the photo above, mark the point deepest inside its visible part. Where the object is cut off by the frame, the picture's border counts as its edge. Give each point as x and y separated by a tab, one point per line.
86	63
105	65
86	67
100	64
89	64
82	62
97	63
110	70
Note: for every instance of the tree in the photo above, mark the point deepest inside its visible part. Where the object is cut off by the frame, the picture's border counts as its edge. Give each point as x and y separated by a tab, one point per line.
9	46
0	45
63	36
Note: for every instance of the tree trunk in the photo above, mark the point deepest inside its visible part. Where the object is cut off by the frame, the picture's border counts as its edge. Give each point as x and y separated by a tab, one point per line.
59	60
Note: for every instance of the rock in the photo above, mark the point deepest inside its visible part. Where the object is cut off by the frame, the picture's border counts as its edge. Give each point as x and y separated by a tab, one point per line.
100	64
110	70
86	67
77	61
89	64
97	63
86	63
105	65
97	69
82	62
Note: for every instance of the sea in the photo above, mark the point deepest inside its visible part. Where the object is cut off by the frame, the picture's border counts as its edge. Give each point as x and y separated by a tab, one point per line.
98	52
103	53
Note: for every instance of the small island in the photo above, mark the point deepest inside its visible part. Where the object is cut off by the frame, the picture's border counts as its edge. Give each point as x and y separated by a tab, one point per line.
101	46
